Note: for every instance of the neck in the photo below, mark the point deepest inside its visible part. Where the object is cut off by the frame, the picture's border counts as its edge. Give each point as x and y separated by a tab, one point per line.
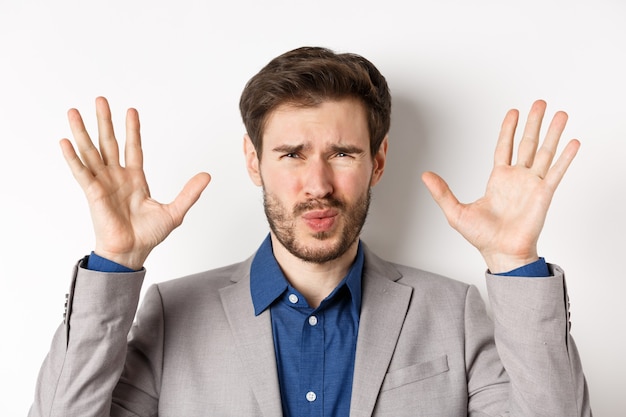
315	281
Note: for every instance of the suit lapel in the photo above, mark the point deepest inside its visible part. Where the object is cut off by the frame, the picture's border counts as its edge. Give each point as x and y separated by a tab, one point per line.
384	307
255	344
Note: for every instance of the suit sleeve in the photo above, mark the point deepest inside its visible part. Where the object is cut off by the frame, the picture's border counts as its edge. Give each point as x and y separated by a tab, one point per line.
533	340
88	350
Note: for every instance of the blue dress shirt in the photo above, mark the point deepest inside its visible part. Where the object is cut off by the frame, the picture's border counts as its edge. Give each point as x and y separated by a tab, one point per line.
314	347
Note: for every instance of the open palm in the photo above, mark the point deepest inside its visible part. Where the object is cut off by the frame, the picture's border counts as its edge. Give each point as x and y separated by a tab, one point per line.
127	222
505	224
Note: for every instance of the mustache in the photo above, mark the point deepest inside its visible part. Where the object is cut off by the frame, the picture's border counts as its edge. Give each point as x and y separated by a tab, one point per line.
318	204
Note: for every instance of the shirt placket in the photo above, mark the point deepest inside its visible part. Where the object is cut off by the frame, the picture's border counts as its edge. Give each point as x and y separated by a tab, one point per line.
312	364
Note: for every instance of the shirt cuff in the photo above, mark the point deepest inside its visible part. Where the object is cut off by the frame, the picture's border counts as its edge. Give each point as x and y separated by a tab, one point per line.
100	264
537	269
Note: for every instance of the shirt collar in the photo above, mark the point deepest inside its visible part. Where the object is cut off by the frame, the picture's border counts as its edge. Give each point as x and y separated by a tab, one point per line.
267	281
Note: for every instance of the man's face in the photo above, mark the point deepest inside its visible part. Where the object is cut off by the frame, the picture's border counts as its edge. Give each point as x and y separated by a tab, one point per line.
316	170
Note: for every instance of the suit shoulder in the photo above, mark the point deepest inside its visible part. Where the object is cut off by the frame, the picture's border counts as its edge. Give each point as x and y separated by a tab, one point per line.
407	275
419	277
207	281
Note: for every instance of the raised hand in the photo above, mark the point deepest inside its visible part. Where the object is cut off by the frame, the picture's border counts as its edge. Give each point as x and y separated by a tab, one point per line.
505	224
127	222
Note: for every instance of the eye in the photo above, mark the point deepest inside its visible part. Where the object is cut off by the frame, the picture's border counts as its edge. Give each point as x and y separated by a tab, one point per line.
291	155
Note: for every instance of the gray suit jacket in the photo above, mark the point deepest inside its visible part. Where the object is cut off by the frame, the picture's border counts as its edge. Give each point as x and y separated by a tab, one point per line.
426	347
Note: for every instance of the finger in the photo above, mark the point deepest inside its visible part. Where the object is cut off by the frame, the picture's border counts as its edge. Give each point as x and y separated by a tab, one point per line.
88	152
530	138
545	154
80	172
106	136
556	173
188	196
504	147
443	196
133	155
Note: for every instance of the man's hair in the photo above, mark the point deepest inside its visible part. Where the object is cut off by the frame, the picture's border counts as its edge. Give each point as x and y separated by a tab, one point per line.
307	77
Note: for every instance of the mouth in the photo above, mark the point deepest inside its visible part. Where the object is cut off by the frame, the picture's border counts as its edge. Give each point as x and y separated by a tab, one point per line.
320	220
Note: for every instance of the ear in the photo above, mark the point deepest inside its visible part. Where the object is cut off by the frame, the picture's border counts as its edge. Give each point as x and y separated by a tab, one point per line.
252	161
379	162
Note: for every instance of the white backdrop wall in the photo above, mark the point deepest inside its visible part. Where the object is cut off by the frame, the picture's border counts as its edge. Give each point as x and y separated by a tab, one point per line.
454	68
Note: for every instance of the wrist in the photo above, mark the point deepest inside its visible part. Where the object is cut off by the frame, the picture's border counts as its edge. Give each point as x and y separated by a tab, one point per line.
501	263
132	261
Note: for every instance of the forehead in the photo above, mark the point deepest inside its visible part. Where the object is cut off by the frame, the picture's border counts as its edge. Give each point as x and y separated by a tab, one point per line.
332	121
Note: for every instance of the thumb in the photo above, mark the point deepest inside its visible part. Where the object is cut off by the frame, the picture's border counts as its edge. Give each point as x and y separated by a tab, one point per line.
443	196
189	195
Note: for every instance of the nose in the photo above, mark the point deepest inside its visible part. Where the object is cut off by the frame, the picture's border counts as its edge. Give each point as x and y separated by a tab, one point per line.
318	178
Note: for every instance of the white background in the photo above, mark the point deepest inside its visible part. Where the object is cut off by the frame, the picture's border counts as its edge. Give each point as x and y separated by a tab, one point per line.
454	68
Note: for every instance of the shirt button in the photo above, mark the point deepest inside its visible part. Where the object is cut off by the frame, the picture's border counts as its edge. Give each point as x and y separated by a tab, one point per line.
310	396
312	320
293	298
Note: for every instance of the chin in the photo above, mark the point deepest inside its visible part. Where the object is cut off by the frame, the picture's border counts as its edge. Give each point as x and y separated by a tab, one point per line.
325	248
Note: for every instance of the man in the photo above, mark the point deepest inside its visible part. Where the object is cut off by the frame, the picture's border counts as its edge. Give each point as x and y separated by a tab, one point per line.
315	324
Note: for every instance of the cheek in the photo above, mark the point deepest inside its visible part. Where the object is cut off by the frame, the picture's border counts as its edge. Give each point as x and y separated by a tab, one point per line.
353	182
281	184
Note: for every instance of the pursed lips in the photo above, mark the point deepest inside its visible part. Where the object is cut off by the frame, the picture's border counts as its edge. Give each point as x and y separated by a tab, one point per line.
320	220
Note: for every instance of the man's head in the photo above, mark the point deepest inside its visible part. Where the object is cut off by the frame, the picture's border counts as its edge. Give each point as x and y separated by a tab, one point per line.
317	125
308	76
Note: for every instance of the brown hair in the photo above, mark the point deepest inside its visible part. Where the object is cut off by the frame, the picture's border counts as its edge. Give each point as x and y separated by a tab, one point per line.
308	76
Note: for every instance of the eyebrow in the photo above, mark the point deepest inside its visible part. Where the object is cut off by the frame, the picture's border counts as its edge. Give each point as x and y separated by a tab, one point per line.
289	148
351	149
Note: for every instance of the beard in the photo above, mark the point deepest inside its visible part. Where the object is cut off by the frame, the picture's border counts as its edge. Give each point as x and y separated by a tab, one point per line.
283	225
